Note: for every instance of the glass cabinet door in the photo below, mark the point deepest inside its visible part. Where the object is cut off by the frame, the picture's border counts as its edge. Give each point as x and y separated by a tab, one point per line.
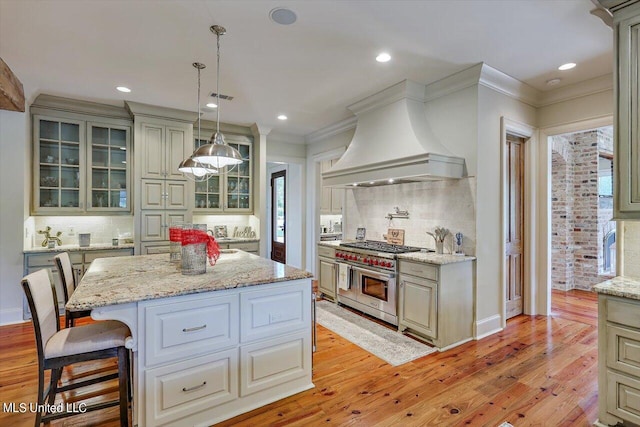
229	191
108	168
58	174
239	181
209	192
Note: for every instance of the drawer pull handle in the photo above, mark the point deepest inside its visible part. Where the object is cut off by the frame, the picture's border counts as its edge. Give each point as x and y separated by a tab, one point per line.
197	328
204	383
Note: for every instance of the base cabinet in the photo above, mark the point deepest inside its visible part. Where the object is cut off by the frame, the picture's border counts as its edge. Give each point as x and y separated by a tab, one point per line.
327	273
208	357
419	305
436	302
618	360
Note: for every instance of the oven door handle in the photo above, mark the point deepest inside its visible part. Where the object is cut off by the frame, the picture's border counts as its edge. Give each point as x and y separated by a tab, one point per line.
377	274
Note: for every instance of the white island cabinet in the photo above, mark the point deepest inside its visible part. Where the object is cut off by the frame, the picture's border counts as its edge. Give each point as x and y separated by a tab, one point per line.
207	347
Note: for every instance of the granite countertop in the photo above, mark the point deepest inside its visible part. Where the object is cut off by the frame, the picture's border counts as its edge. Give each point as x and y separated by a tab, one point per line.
71	248
433	258
121	280
620	286
238	240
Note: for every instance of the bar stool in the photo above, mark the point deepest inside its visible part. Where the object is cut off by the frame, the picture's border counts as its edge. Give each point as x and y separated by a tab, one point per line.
65	271
58	348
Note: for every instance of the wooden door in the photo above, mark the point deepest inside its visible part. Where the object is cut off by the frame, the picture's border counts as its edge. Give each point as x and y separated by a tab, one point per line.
514	259
278	216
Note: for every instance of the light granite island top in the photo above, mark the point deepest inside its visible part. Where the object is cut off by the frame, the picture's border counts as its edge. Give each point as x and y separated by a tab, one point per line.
205	347
620	286
121	280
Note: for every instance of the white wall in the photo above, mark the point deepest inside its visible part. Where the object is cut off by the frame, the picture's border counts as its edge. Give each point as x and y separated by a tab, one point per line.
324	149
492	106
14	167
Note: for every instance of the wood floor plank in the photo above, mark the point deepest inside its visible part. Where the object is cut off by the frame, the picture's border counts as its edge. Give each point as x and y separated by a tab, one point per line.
538	371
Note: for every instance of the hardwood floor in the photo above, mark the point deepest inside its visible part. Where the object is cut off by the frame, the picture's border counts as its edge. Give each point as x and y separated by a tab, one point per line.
538	371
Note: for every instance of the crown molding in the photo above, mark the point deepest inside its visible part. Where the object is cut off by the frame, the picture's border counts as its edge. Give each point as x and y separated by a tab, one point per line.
68	105
577	90
139	109
331	130
509	86
405	89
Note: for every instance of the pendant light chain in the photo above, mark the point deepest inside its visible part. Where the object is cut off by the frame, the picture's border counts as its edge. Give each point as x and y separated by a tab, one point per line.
218	80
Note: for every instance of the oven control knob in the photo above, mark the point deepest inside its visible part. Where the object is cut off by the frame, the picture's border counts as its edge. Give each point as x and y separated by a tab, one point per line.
366	260
375	262
352	257
389	264
338	255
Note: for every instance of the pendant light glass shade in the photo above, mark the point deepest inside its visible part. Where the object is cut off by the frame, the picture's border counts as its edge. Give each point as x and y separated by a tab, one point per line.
217	152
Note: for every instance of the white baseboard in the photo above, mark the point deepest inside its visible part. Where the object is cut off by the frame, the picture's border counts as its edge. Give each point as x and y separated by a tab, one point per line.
488	326
11	316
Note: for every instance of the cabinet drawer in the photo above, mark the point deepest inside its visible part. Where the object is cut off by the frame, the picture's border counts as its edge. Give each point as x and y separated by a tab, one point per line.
269	363
92	255
427	271
623	312
247	247
183	329
623	397
623	349
153	250
273	311
181	389
46	260
326	251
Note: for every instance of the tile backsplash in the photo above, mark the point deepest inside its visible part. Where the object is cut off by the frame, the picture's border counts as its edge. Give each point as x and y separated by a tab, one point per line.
102	228
448	203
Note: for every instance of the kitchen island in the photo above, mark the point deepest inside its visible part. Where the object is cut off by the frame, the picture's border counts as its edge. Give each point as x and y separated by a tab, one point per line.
206	347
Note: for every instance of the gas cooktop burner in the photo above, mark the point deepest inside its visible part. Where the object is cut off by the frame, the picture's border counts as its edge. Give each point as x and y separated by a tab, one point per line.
373	245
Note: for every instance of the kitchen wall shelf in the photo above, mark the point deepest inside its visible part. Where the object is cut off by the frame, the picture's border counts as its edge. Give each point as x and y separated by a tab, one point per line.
81	157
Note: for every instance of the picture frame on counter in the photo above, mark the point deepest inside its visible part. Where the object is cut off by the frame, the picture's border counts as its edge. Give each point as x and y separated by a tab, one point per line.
220	231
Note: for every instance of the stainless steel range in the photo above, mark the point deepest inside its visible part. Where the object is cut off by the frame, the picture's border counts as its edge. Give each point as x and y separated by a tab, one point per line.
367	274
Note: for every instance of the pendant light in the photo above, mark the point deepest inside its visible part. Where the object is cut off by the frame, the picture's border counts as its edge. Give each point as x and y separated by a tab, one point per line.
191	168
217	152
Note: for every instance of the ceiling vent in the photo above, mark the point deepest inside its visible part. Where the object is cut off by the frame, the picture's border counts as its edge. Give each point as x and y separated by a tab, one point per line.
225	97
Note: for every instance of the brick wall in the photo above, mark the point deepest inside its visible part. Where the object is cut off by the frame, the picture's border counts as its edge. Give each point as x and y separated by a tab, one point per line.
579	217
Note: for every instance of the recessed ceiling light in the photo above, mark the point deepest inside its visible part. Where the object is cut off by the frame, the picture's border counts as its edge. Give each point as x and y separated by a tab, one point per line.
383	57
553	82
567	66
355	184
282	16
123	89
371	182
282	117
212	105
390	181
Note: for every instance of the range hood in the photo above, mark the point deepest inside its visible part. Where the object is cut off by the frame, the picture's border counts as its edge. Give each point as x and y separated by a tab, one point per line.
392	143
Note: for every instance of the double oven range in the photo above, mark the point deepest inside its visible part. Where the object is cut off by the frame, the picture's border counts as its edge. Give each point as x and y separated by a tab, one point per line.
367	273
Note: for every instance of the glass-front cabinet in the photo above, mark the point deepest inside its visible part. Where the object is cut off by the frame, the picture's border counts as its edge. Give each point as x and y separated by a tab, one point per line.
80	166
230	191
59	146
108	160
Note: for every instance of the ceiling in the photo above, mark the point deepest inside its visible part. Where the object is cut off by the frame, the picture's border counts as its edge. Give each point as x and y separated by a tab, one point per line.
310	70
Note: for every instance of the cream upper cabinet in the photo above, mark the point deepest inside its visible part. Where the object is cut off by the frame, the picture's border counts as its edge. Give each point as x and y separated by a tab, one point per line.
81	154
332	198
627	155
164	147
